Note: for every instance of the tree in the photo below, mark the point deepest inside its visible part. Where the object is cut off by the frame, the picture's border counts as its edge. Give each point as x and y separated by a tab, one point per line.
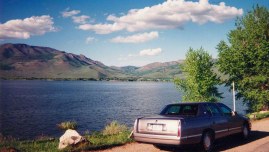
200	82
246	59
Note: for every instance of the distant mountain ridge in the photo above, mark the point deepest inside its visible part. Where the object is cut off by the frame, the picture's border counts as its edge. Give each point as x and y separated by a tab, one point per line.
156	70
19	61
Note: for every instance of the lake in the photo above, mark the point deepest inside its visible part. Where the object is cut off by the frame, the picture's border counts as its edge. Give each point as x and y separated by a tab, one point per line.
29	109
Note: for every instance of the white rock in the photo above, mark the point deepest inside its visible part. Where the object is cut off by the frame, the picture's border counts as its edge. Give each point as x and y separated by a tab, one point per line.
70	137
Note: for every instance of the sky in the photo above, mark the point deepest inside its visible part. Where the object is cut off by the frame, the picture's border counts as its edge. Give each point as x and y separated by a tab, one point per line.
122	32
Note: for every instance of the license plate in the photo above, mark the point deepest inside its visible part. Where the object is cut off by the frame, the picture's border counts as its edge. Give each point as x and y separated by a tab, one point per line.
155	127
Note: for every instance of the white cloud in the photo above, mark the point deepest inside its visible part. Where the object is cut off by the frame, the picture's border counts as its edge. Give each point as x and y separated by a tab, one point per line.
150	52
90	40
132	55
24	29
142	53
80	19
137	38
68	13
101	28
168	15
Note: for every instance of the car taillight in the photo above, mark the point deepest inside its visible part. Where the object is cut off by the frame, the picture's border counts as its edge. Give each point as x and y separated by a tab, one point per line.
179	129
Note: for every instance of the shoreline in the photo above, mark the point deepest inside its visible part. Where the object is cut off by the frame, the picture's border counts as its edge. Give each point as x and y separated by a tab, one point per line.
54	137
92	79
258	138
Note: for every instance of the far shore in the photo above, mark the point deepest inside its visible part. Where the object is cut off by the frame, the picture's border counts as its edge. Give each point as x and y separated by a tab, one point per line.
93	79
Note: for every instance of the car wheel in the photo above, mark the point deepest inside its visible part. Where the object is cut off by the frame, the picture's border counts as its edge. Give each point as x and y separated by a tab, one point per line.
245	131
207	141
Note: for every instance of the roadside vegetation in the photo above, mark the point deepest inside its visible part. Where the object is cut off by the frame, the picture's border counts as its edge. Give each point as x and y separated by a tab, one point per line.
114	134
243	59
200	82
114	128
258	115
67	125
246	59
12	144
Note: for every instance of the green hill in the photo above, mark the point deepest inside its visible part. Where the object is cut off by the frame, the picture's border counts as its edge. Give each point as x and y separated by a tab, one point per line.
22	61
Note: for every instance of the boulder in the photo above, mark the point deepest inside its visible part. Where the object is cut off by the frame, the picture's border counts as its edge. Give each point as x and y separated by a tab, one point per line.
70	137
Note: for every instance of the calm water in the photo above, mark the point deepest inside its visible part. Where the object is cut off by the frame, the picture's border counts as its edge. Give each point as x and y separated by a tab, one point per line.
32	108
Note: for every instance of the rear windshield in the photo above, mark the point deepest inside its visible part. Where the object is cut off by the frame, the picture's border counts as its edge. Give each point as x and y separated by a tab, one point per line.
182	109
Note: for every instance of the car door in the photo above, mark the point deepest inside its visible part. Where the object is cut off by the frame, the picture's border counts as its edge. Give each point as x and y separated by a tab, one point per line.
234	122
220	123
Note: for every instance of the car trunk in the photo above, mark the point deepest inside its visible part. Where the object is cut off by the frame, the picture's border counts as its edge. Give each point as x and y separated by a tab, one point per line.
159	125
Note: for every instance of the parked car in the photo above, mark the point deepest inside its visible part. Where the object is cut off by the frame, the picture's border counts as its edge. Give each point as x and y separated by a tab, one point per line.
190	123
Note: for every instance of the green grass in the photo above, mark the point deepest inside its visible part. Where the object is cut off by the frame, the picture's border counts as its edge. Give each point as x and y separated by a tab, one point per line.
262	115
258	115
31	146
99	141
114	128
67	125
117	134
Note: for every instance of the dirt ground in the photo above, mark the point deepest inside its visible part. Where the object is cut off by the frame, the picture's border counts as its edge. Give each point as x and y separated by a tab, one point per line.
258	142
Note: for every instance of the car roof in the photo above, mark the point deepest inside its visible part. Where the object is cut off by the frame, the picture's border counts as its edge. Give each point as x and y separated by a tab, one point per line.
192	103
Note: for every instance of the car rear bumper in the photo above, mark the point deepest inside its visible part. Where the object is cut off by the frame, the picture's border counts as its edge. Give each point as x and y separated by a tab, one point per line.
157	139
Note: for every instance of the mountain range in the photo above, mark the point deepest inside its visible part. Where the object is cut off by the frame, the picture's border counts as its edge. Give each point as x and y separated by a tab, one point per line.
22	61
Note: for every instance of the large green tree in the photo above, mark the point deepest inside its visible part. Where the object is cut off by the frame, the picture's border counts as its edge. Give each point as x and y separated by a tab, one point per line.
200	81
245	59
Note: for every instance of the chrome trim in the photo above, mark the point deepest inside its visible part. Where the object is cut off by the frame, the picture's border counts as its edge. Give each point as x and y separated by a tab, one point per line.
191	136
154	136
219	131
194	135
235	128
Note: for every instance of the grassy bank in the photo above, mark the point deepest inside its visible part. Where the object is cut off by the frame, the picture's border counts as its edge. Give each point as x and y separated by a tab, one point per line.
258	115
114	134
29	145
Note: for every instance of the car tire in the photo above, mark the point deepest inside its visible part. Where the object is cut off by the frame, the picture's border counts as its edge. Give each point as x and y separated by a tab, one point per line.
207	142
245	131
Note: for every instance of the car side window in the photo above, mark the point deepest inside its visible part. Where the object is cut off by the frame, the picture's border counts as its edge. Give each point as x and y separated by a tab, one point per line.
190	110
213	109
225	110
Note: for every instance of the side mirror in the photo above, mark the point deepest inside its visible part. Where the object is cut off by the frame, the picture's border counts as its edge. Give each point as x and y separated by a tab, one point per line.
234	113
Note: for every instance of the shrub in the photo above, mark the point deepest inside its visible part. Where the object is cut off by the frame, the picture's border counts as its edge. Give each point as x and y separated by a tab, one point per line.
67	125
262	115
101	141
258	115
114	128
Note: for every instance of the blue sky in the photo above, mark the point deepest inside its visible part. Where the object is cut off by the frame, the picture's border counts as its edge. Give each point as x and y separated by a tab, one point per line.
122	32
